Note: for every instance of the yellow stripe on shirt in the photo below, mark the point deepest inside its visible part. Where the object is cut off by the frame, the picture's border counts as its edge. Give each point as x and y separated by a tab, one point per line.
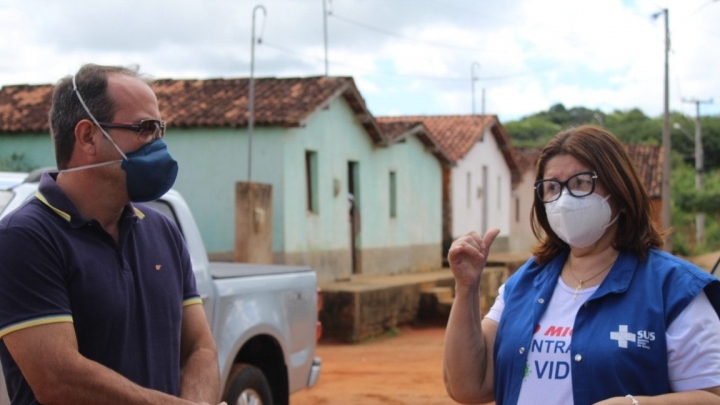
192	301
63	214
35	322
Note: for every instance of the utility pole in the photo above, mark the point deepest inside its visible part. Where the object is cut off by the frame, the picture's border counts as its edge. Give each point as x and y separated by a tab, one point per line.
473	79
482	110
325	34
666	167
251	95
699	168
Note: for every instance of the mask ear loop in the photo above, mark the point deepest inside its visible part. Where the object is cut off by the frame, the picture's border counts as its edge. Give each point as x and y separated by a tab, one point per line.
92	117
614	219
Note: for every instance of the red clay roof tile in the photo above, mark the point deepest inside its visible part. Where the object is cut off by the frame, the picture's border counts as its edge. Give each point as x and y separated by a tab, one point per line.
207	103
648	161
396	131
527	158
456	134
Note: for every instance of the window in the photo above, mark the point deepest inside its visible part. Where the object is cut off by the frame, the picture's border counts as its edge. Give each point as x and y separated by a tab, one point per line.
469	189
517	209
311	180
5	197
393	195
165	208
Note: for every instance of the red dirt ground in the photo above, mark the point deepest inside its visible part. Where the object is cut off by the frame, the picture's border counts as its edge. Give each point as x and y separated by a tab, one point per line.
405	369
392	370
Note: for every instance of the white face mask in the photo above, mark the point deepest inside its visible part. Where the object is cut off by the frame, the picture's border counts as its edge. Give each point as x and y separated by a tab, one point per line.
580	222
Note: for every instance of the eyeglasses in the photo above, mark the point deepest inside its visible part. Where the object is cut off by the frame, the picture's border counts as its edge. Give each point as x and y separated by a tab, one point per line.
579	185
147	130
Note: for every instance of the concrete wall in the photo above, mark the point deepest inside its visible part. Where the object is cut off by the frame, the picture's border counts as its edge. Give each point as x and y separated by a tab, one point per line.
211	161
354	316
387	245
467	209
38	149
521	236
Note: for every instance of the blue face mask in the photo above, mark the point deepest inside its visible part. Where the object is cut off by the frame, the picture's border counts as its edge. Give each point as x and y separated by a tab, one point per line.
149	171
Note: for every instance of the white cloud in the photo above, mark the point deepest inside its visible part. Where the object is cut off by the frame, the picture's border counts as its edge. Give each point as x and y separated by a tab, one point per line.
407	56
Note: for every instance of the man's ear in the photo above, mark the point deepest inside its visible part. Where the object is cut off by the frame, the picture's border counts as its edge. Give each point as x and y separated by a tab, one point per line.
85	141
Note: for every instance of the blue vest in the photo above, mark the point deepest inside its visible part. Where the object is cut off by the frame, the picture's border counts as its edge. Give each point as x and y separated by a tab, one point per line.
618	343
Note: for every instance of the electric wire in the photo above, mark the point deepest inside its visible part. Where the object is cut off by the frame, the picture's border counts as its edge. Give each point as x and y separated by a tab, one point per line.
416	77
396	35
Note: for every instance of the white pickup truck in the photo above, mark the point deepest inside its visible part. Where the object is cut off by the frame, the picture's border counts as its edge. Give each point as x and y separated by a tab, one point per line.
264	317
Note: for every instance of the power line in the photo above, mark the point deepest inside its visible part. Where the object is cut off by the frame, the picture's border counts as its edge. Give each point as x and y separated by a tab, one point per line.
434	44
450	5
417	77
480	13
396	35
703	6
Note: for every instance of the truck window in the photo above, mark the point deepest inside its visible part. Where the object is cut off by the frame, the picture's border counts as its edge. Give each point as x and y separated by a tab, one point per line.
5	197
165	209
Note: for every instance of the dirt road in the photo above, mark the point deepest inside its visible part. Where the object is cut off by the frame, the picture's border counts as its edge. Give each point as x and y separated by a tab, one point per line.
405	369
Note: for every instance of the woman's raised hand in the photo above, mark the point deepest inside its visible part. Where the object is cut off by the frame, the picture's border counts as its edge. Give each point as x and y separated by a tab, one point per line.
468	255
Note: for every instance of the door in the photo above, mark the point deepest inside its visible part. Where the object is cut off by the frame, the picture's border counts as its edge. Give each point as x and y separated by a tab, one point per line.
484	201
354	216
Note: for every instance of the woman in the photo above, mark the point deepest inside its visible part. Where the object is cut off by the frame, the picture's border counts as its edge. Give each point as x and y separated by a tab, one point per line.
599	315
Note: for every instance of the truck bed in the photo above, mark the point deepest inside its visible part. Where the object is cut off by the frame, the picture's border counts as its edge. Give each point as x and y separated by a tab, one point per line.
221	270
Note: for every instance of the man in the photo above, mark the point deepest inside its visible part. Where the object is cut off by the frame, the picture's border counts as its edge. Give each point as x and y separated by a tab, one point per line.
98	303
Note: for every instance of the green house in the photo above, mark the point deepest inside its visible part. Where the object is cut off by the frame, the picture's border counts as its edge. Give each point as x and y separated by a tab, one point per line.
350	196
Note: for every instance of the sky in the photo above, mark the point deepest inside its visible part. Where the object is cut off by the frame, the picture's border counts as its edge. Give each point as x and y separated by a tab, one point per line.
407	57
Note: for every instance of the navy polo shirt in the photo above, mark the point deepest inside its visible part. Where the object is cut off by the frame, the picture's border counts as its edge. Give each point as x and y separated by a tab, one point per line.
125	299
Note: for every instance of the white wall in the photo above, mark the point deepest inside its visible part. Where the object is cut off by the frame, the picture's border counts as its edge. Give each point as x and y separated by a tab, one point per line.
467	213
521	236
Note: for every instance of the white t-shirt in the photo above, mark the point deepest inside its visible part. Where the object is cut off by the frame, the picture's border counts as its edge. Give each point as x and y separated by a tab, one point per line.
693	341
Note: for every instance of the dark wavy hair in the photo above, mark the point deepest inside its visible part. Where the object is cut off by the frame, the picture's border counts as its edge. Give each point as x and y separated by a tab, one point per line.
602	152
66	110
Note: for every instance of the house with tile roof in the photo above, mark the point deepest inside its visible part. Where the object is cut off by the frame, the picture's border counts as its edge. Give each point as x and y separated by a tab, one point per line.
477	186
350	195
647	160
521	235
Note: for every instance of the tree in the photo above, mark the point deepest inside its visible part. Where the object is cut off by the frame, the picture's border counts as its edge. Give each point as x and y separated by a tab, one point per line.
15	163
634	127
532	132
711	142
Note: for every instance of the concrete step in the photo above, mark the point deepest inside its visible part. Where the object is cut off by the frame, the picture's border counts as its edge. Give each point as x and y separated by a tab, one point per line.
367	306
439	292
428	285
436	302
444	305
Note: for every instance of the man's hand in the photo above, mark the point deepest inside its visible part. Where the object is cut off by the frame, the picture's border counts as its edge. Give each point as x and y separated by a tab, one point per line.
468	255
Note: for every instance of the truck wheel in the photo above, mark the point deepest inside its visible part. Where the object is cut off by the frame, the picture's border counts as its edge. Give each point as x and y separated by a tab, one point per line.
248	386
